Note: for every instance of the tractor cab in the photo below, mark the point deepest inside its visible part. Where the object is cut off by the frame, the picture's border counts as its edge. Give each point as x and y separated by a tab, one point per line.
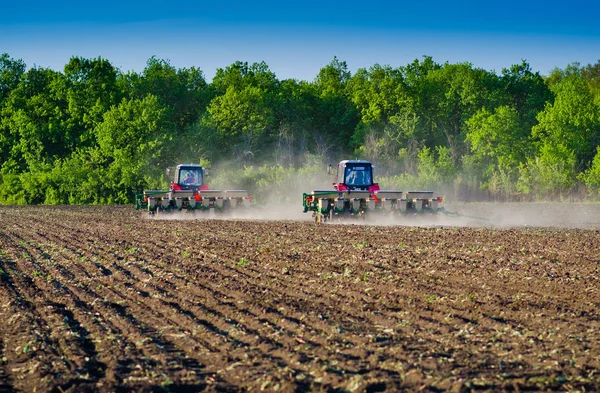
189	177
355	175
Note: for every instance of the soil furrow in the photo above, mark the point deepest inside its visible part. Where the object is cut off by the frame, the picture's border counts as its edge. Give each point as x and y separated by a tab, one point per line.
238	305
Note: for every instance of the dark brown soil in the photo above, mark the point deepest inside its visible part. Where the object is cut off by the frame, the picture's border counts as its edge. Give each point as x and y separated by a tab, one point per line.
102	299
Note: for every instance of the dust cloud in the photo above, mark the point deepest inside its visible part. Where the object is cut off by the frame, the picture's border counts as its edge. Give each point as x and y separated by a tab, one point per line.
511	215
490	215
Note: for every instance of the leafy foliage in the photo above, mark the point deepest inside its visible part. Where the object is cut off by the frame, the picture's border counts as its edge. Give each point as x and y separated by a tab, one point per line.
91	134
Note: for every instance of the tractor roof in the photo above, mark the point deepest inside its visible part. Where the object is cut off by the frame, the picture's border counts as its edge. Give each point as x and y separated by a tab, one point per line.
344	162
189	166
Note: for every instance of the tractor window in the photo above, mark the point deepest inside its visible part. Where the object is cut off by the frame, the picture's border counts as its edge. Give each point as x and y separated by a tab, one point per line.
358	176
191	177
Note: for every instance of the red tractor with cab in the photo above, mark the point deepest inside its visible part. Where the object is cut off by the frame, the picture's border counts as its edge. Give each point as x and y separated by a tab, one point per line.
190	192
355	194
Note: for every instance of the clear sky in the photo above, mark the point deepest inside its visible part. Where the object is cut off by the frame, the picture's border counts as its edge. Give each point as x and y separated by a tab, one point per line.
296	39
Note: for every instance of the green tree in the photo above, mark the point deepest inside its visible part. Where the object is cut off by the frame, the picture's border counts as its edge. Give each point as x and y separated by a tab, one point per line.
591	73
296	103
497	138
379	94
591	177
435	170
243	112
572	120
550	174
498	145
457	92
34	120
134	142
388	112
423	93
337	116
526	91
242	120
11	71
295	109
183	93
239	75
91	89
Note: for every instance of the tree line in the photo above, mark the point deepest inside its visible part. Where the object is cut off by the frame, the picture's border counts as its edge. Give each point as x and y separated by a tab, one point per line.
93	134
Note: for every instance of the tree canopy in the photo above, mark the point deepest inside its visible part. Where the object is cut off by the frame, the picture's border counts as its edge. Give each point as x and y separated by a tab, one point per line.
93	134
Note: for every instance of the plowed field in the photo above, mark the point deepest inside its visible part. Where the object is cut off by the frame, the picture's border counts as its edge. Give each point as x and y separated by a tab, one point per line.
102	299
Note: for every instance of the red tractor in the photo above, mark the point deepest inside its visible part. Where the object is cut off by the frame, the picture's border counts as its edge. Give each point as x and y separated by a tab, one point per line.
355	194
189	191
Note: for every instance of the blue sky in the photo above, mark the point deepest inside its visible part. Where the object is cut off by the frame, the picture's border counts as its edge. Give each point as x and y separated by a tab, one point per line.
297	39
